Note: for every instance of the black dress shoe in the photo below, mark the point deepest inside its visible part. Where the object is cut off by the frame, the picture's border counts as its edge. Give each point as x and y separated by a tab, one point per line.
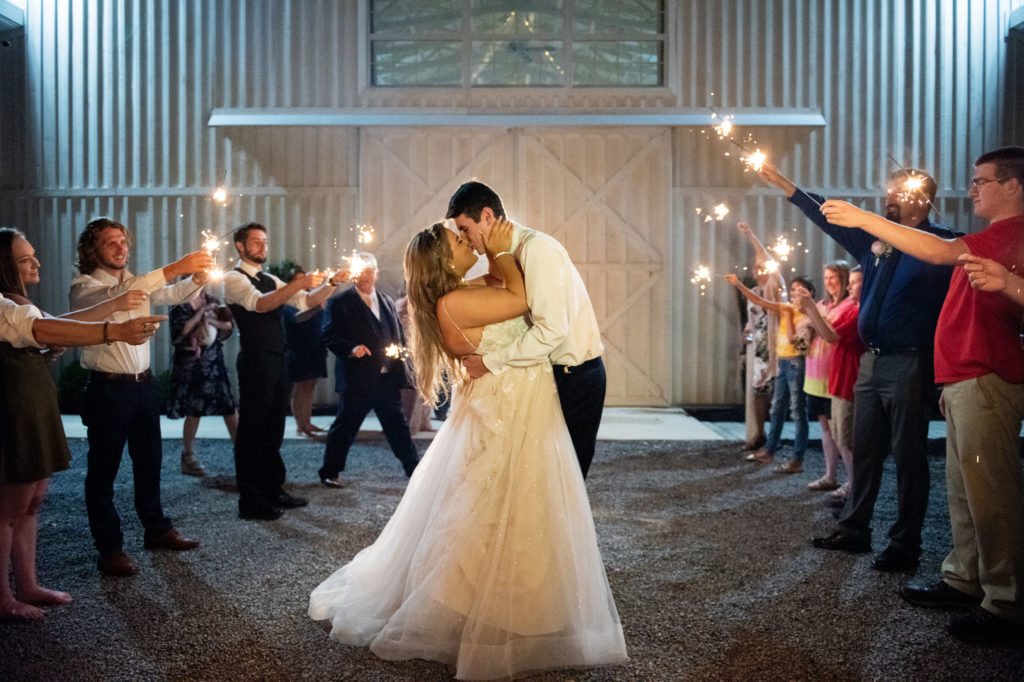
939	595
262	512
984	627
842	542
286	501
332	481
894	561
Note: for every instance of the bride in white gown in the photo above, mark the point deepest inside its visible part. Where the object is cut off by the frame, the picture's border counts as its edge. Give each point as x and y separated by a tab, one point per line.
490	562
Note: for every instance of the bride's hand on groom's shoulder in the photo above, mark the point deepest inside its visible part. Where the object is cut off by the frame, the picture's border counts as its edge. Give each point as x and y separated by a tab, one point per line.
499	239
474	364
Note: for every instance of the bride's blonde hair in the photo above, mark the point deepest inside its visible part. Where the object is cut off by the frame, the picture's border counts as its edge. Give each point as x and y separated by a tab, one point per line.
429	275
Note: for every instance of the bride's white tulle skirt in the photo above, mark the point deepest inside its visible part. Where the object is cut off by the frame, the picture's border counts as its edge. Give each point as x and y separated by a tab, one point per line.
490	562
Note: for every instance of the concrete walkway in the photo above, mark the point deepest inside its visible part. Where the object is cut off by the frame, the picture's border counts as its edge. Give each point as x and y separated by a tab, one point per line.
619	423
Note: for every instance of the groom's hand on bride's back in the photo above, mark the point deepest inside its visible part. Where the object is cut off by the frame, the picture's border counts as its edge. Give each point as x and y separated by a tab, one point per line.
474	364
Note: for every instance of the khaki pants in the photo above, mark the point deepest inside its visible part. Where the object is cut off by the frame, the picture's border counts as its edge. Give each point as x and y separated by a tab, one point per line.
985	490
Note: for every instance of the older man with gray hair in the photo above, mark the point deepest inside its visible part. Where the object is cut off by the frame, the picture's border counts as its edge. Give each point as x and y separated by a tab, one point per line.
359	325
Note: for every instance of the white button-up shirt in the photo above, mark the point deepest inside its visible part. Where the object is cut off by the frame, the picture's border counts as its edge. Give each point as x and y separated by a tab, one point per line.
565	330
88	290
16	323
239	289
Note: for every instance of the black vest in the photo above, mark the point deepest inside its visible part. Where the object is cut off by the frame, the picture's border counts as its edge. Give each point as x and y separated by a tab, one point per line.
259	332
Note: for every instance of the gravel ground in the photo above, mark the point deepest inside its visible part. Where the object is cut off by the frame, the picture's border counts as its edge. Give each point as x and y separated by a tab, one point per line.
708	559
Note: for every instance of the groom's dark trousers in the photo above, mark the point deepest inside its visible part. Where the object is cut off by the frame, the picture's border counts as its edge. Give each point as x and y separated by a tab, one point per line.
581	390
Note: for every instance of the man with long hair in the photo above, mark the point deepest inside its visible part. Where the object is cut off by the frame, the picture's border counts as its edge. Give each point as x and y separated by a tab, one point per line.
122	400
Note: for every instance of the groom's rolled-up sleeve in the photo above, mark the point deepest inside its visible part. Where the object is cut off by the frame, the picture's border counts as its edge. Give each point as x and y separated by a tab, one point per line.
546	267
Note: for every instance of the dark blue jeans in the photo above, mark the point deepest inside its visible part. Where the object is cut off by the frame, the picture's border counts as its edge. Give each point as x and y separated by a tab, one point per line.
789	395
116	413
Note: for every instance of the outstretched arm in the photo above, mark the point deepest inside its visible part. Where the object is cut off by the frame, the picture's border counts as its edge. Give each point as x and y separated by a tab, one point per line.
985	274
806	304
917	243
772	176
129	300
774	306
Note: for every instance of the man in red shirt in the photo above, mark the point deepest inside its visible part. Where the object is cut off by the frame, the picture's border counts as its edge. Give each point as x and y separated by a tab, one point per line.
979	358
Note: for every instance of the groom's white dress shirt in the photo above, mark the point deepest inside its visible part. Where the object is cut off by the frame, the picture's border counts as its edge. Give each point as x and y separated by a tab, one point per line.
564	330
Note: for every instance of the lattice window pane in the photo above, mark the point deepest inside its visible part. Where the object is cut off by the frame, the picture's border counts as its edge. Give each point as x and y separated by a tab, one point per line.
616	63
617	17
527	18
416	17
518	63
419	62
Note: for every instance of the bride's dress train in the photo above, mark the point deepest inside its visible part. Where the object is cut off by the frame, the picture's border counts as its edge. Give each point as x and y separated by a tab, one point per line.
490	562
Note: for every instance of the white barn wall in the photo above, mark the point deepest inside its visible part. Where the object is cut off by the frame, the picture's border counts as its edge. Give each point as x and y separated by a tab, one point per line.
117	95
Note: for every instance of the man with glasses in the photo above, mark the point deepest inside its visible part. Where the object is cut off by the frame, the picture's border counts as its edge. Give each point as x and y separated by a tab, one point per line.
980	361
895	388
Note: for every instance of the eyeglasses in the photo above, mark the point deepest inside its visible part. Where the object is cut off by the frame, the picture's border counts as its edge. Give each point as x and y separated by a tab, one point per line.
977	183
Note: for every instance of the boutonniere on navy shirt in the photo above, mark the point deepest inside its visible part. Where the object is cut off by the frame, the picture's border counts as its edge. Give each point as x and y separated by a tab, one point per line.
881	249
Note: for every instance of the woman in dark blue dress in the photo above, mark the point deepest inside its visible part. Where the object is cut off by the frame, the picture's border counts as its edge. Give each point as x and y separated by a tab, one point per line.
306	358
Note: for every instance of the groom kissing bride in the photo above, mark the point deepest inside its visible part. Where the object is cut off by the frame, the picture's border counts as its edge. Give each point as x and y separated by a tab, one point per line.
490	562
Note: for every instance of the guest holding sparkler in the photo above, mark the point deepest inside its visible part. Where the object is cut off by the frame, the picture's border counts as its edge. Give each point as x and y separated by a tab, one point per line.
255	299
32	443
894	394
359	324
122	400
306	358
789	376
819	358
760	337
836	325
200	385
980	362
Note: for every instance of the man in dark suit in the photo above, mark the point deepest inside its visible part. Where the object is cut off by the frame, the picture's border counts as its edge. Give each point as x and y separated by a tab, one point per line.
359	325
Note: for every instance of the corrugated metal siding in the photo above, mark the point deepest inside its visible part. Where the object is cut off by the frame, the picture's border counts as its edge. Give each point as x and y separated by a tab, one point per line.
119	92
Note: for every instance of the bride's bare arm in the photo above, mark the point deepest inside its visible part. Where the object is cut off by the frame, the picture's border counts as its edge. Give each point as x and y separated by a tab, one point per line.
472	307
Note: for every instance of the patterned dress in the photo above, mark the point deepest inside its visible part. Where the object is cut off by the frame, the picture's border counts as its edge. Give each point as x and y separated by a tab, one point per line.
200	385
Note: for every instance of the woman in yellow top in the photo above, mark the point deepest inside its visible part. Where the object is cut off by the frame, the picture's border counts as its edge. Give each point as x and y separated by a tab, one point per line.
789	377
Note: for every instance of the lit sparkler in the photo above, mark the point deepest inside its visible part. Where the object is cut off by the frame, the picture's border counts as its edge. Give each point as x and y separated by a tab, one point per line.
716	214
365	234
702	277
781	248
220	195
396	351
211	243
755	160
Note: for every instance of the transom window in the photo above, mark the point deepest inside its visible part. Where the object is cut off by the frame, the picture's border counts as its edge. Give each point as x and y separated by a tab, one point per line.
517	43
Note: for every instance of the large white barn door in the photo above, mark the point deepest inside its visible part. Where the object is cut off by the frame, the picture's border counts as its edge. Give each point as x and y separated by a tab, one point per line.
604	194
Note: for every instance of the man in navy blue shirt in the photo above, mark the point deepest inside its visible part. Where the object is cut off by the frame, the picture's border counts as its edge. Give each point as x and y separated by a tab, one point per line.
894	394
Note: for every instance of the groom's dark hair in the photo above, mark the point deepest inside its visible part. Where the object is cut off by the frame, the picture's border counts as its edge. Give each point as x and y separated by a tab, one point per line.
472	198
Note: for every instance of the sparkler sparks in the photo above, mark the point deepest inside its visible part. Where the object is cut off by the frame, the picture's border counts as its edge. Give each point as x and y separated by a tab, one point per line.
716	214
755	160
211	243
702	277
781	248
220	195
396	351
